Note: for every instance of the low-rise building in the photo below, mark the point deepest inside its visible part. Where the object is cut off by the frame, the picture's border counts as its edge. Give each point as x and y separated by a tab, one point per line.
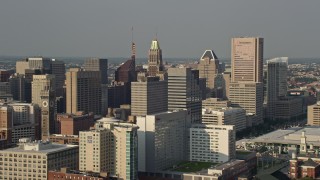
71	124
33	160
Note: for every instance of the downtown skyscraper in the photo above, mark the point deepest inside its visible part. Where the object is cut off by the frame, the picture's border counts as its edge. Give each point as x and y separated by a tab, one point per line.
155	64
246	87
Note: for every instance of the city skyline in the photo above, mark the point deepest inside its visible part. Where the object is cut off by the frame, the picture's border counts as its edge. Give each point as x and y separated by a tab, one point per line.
103	29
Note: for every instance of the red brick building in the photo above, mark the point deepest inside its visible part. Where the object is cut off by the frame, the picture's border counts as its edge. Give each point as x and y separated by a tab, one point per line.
301	167
66	174
71	124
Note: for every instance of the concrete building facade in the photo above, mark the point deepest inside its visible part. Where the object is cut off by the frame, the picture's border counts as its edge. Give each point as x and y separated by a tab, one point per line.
314	114
212	143
33	160
184	91
148	96
225	116
162	139
83	91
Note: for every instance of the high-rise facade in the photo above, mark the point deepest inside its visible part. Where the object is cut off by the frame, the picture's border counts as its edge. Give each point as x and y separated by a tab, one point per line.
314	114
249	96
247	59
162	139
155	64
100	65
276	82
184	91
83	91
59	70
115	146
208	68
18	84
43	94
212	143
148	96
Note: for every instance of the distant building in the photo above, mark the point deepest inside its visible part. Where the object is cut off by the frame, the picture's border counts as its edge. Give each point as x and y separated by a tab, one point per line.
18	87
162	139
184	91
215	103
148	96
5	75
247	59
212	143
208	68
115	146
71	124
155	64
43	94
63	139
248	96
6	118
33	160
5	92
314	114
83	91
118	94
225	116
67	174
100	65
277	83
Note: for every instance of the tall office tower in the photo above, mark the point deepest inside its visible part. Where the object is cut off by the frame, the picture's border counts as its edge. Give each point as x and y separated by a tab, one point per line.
184	91
83	91
28	84
227	80
208	68
5	92
247	59
126	74
162	139
33	160
59	70
155	65
43	94
117	94
148	96
115	146
6	118
96	64
43	64
211	143
26	121
225	116
277	82
17	84
249	96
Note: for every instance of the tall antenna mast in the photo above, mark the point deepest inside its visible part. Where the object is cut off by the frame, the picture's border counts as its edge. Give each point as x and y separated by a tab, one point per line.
133	46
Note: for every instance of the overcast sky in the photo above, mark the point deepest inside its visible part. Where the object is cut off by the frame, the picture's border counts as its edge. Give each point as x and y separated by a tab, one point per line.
102	28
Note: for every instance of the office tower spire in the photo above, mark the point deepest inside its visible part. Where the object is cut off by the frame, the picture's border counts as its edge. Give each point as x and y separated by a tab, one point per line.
133	47
155	58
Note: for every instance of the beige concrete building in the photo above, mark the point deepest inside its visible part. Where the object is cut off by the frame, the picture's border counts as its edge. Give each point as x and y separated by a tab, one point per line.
184	91
155	64
247	59
148	96
215	103
83	91
212	143
114	148
162	139
43	94
249	96
314	114
33	160
225	116
208	68
6	118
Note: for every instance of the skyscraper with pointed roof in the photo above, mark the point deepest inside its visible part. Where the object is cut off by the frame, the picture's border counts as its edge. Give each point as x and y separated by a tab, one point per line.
208	68
155	64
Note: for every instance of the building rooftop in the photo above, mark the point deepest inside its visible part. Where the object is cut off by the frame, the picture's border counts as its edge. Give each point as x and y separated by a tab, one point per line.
227	165
209	54
43	147
291	136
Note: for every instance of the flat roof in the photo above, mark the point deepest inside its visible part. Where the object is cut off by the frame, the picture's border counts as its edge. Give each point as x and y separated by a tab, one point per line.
50	148
291	136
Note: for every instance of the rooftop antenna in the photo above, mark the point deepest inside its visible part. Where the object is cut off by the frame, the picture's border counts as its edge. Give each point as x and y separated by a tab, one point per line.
133	46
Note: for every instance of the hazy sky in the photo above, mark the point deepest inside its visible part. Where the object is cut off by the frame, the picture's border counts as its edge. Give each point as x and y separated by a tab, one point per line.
102	28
